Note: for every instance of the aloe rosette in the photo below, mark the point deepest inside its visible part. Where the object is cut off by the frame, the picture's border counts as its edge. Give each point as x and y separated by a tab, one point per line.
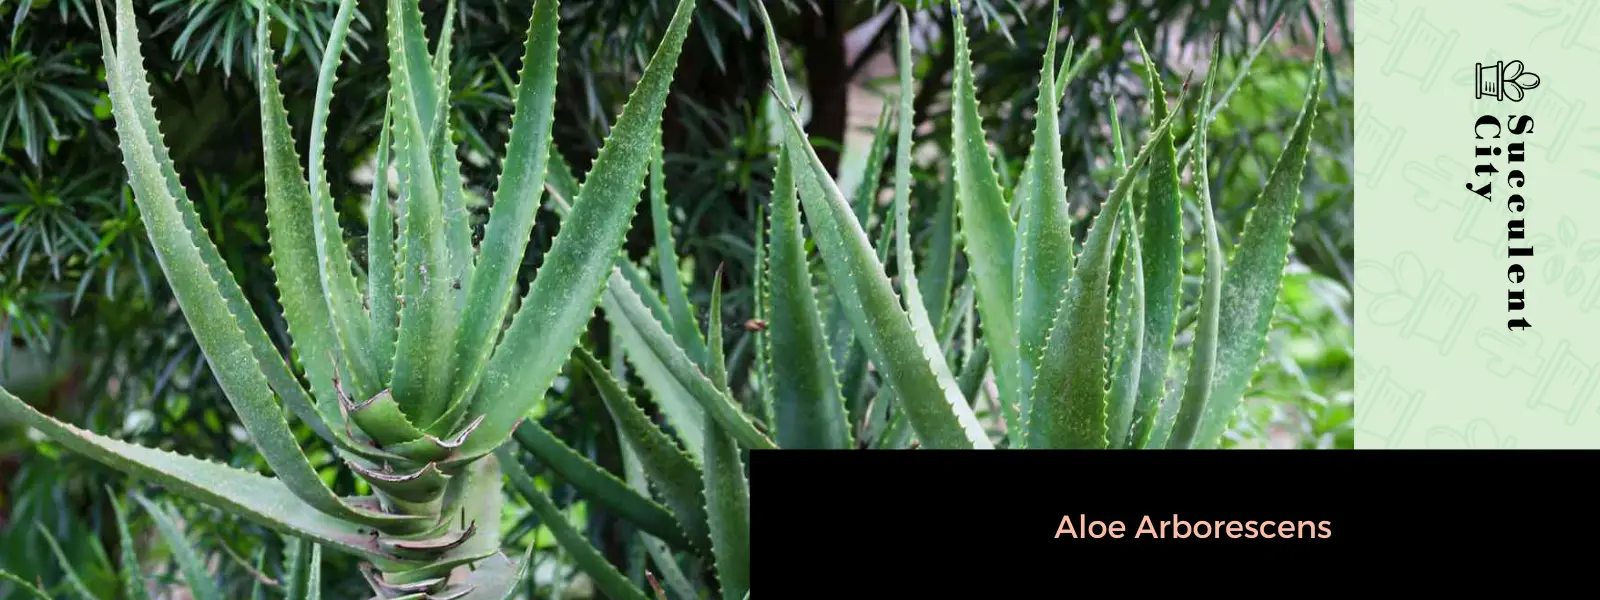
406	366
1079	334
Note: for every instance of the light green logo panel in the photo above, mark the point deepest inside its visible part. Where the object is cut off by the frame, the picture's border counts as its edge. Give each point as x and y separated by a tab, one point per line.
1477	224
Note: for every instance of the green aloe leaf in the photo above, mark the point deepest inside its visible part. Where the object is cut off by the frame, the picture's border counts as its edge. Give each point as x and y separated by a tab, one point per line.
1069	394
314	576
666	564
430	308
412	62
809	409
197	281
1043	263
457	229
497	577
763	375
599	484
569	283
125	64
683	413
297	570
381	293
24	585
296	258
1128	335
198	578
677	477
516	204
1025	184
728	510
261	499
1162	264
133	582
607	578
713	399
988	233
1255	271
938	266
716	362
846	347
920	378
1203	353
351	324
74	581
926	334
682	323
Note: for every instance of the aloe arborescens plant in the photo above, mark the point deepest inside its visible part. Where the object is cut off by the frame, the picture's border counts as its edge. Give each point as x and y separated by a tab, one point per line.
1080	334
412	374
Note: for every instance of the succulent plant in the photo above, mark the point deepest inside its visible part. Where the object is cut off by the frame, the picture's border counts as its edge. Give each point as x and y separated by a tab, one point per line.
410	370
1079	333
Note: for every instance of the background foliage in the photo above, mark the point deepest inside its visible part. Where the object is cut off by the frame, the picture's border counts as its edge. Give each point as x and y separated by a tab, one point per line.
89	333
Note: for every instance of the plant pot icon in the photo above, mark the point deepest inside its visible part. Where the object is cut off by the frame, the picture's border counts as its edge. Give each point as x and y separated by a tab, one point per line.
1505	80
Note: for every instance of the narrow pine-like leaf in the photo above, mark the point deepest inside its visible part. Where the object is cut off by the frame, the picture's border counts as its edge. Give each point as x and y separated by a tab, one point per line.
714	400
599	484
264	500
133	583
988	233
569	283
1128	335
1069	395
1043	256
607	578
728	511
677	477
920	378
516	204
198	282
1162	249
196	576
809	409
1255	271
